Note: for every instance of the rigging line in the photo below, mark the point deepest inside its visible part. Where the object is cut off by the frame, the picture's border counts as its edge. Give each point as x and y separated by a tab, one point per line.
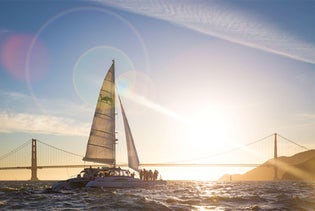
15	150
293	142
81	156
224	152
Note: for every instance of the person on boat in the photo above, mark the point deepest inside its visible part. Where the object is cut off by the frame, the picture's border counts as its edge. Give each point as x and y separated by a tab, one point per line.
90	173
150	175
119	171
141	172
155	174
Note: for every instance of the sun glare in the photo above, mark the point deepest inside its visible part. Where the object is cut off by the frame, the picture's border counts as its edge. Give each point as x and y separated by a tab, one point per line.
199	173
210	128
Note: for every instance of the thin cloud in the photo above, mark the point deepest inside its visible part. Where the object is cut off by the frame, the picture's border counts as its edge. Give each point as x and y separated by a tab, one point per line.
151	105
218	20
307	120
21	102
42	124
21	115
309	116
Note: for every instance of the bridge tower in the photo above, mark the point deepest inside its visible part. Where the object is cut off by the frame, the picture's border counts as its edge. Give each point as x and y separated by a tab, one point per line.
34	161
275	157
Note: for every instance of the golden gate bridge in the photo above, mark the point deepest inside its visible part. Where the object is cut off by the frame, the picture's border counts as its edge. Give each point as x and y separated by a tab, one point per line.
35	154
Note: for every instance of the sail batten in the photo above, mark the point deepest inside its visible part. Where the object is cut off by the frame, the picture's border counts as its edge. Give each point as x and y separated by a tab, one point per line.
101	143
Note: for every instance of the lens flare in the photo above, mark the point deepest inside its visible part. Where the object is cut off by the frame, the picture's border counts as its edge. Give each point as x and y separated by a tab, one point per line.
90	69
46	30
138	87
14	54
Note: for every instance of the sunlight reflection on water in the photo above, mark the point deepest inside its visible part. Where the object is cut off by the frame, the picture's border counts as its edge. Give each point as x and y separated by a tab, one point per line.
176	195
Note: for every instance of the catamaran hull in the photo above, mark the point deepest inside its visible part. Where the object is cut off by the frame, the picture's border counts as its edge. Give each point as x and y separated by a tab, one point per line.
70	184
122	182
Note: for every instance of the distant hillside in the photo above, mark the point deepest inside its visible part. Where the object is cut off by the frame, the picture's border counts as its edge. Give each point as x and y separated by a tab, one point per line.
300	166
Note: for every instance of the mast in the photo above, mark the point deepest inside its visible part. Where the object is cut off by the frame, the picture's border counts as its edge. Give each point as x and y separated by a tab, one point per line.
114	132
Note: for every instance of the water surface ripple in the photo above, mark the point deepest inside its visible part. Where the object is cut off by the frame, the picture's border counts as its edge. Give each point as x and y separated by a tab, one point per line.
176	195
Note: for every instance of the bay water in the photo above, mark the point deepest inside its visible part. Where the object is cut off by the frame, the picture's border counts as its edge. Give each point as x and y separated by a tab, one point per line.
176	195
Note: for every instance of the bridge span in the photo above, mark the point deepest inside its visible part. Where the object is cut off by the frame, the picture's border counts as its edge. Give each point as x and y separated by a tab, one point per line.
34	159
141	165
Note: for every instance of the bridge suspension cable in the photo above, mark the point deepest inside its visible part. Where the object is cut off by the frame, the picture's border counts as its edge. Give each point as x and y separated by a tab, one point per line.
15	150
61	150
293	142
225	152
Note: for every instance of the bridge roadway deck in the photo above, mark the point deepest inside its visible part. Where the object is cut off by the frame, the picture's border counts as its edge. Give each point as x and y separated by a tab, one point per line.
142	165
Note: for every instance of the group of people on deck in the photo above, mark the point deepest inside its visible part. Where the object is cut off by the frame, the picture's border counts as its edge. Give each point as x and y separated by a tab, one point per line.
148	175
91	173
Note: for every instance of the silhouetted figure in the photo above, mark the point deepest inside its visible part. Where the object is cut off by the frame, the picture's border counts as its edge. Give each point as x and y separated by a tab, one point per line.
155	175
146	175
150	175
141	174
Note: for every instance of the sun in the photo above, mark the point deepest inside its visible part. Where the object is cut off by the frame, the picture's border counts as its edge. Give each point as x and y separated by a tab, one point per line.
211	129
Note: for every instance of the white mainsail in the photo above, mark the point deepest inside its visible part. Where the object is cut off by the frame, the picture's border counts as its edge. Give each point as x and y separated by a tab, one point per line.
101	144
133	160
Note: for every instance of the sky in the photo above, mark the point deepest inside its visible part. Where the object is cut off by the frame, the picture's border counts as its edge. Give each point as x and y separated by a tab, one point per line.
196	78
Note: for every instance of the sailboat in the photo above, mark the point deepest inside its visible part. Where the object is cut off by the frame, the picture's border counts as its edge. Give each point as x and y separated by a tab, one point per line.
101	148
